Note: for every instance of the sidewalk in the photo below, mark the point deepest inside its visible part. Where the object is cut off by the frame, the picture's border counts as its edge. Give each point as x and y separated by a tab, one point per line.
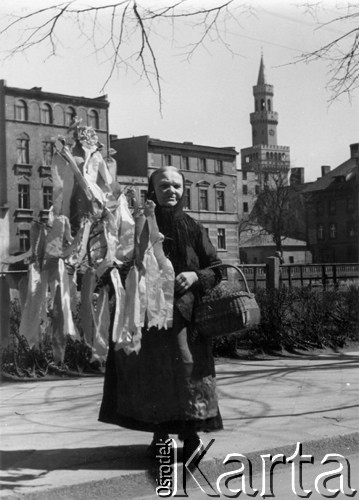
53	447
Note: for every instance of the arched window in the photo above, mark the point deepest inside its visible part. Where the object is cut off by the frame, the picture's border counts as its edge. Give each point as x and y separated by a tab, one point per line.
22	150
93	119
46	114
70	114
21	111
269	105
263	105
320	232
257	107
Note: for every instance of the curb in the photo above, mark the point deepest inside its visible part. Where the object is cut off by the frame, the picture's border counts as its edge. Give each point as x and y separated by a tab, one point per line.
142	484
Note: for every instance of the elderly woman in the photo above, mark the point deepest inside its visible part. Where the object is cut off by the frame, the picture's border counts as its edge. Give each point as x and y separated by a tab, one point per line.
169	387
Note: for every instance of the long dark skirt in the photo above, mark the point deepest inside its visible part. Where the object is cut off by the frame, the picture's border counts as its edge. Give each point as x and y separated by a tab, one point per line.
168	387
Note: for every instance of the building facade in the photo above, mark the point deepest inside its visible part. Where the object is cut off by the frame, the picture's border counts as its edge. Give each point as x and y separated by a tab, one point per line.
332	212
30	122
265	157
211	182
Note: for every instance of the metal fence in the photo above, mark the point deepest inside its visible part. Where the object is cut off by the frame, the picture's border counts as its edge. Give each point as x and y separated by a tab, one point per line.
293	275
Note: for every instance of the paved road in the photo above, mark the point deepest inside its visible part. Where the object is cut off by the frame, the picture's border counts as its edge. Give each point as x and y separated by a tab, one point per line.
312	484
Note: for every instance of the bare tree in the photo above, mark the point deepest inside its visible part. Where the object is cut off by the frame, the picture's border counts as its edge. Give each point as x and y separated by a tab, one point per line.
341	54
278	211
122	31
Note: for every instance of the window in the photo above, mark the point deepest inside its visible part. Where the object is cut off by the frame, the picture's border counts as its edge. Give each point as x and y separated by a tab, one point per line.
24	237
46	114
256	189
332	231
93	119
218	166
220	201
245	207
245	189
47	192
203	199
131	200
143	197
202	165
350	205
166	160
187	198
70	114
332	206
185	162
221	239
22	150
21	111
24	196
320	232
351	229
244	176
47	152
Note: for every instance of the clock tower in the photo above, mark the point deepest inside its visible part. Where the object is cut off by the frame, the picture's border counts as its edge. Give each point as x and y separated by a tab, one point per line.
264	120
264	159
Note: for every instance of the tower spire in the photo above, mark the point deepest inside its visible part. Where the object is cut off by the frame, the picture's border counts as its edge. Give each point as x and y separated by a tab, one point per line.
261	74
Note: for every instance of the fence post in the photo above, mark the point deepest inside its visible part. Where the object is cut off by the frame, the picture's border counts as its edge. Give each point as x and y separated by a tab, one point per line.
273	272
324	277
5	311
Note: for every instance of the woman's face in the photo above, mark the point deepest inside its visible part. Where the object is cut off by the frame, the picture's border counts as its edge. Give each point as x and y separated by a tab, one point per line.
168	186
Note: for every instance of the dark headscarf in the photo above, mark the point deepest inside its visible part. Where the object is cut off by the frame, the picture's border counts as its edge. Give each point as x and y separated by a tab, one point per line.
178	228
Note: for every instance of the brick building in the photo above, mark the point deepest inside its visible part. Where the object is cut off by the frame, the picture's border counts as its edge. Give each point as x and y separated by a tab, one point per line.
332	212
211	182
30	122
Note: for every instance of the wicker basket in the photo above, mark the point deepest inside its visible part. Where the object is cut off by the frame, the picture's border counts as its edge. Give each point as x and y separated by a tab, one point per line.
222	312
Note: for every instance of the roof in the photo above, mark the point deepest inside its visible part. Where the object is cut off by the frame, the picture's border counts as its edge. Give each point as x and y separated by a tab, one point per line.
265	239
261	74
348	170
38	93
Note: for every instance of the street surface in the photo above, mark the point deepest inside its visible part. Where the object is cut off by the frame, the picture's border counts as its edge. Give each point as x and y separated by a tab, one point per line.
282	487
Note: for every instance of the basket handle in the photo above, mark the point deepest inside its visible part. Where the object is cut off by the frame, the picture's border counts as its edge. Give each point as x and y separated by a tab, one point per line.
234	267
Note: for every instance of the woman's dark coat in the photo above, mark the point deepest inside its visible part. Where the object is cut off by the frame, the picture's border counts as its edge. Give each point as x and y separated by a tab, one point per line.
170	385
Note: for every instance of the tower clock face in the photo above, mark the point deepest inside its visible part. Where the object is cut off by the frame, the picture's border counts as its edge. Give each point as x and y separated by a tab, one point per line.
271	132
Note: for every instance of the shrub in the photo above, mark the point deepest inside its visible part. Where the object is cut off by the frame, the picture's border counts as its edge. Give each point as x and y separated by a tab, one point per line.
18	359
298	318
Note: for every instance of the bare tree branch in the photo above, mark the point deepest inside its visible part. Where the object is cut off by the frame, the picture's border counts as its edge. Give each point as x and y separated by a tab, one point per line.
341	54
123	34
123	25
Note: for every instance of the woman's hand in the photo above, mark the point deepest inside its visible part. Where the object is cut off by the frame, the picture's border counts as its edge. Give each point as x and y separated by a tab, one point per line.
185	280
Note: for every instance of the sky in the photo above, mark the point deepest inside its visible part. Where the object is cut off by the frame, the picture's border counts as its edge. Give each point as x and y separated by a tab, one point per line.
206	98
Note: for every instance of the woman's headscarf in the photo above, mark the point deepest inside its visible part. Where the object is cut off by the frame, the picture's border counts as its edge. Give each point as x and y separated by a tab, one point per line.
176	226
